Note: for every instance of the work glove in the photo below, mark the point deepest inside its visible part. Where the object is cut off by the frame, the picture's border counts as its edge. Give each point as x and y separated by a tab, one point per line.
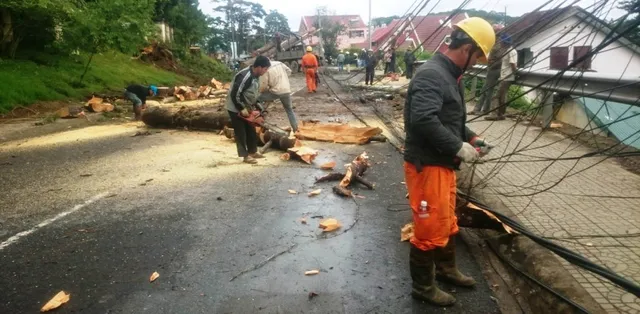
484	146
244	113
468	153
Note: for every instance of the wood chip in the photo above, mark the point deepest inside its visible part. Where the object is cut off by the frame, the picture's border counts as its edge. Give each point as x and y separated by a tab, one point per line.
293	192
328	166
154	276
311	272
55	302
315	192
303	221
329	225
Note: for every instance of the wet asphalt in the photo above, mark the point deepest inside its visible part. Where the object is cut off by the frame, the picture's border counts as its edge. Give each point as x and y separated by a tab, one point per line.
225	237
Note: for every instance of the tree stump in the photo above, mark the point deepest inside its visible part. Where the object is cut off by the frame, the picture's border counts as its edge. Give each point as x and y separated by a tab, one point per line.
354	172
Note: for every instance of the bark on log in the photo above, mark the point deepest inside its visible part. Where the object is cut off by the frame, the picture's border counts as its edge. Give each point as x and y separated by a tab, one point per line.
159	117
354	172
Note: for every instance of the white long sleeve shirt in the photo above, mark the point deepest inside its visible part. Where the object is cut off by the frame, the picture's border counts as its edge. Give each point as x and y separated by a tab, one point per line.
276	80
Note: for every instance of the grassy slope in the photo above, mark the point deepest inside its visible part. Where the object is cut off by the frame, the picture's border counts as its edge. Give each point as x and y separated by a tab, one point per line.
48	78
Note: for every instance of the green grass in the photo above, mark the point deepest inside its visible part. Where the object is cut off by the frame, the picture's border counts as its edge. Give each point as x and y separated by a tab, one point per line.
203	69
41	77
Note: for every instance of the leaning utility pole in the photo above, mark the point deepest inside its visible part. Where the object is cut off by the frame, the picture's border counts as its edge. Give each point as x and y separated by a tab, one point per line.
370	32
321	52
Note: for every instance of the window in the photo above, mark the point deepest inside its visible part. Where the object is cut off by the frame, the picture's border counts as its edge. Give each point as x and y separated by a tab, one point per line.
579	52
353	34
525	56
559	58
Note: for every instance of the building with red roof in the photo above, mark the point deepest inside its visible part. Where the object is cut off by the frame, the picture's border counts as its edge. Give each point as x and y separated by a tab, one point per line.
356	31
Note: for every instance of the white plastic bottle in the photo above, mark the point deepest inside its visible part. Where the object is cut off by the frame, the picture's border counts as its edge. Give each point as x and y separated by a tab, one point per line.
423	210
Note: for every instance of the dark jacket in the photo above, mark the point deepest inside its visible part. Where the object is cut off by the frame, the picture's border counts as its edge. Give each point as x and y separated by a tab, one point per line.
370	61
244	84
139	90
435	115
409	59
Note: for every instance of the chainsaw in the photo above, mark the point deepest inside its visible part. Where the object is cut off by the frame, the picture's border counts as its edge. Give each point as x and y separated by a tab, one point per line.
256	119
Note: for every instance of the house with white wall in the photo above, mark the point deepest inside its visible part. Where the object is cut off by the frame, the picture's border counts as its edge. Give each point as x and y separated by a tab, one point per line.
549	41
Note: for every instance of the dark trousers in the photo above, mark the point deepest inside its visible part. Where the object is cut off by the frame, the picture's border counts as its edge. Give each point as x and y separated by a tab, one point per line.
387	67
409	71
502	97
245	134
368	76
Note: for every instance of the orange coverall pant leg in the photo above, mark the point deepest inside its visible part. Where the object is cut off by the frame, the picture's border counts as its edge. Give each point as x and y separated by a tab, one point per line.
437	186
311	79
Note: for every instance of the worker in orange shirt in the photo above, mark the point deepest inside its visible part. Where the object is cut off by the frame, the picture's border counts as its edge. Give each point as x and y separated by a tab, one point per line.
310	66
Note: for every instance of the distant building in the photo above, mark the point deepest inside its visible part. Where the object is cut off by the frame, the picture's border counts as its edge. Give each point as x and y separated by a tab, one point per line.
551	40
355	32
425	32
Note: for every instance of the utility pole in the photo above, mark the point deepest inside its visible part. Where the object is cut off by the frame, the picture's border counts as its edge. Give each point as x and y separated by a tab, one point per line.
370	32
321	52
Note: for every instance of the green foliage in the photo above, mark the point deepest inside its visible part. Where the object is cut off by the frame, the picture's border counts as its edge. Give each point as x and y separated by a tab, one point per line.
521	103
242	19
203	68
190	24
632	7
329	32
276	22
24	82
215	39
103	25
379	21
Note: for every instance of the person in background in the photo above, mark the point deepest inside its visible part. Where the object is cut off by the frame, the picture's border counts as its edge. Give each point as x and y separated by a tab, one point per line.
409	60
437	141
392	61
362	58
370	65
340	61
493	74
243	95
137	94
507	76
274	84
387	62
317	75
310	65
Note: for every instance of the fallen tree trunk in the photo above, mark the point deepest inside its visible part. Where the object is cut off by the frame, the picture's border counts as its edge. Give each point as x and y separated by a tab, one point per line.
159	117
354	172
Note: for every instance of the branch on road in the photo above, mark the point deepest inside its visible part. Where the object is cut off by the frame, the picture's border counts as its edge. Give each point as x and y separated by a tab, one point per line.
259	265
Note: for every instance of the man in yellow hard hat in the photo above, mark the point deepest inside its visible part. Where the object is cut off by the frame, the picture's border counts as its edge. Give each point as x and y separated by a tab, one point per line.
437	141
310	65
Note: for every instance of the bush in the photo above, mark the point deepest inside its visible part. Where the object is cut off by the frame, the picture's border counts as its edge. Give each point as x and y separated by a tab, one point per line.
203	68
520	103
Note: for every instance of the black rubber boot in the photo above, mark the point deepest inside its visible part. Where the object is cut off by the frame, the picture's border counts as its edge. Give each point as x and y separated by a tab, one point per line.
446	270
421	264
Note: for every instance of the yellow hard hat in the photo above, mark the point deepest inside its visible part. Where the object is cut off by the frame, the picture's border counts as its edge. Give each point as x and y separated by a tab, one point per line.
309	49
480	31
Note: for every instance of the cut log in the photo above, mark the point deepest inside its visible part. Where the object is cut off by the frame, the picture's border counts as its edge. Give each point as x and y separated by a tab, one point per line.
159	117
305	153
220	92
337	133
102	107
354	172
216	84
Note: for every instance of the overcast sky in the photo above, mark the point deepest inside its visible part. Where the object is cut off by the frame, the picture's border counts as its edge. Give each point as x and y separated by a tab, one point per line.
295	10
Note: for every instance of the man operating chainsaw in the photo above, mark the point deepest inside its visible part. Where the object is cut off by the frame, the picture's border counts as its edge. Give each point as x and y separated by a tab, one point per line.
243	96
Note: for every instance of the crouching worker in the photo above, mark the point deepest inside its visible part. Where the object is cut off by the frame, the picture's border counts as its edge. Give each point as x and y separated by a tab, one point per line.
137	94
437	140
244	94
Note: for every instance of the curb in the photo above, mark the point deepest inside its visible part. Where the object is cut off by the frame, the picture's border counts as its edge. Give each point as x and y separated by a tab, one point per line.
540	264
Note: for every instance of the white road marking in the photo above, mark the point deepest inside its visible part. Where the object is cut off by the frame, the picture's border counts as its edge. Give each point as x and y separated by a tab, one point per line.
25	233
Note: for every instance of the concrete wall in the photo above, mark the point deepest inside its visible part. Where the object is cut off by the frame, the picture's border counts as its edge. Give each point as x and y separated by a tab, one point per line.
573	113
165	32
612	61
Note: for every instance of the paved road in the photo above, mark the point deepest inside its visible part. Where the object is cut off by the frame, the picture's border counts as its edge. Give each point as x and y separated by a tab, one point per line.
113	209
